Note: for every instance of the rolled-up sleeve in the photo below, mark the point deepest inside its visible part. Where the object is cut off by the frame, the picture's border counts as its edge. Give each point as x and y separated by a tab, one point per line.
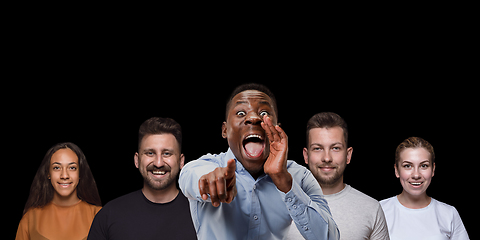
309	209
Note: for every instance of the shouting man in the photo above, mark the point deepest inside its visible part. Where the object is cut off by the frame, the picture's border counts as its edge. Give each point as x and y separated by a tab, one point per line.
252	191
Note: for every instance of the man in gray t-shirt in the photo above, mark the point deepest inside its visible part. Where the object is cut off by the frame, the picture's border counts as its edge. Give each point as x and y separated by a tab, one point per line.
327	154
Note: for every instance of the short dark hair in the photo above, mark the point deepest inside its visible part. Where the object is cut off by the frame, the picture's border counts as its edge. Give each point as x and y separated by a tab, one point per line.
327	120
158	125
251	86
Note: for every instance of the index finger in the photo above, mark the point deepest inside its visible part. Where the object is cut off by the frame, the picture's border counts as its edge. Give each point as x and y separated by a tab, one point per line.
230	169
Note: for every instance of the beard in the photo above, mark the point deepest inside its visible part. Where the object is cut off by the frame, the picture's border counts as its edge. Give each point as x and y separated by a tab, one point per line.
159	184
332	179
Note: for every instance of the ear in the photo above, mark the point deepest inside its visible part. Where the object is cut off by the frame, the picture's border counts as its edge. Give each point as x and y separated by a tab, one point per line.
224	129
182	160
396	171
433	171
136	159
349	154
305	155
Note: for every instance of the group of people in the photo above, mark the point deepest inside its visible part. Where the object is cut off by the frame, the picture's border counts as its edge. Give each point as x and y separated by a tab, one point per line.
251	191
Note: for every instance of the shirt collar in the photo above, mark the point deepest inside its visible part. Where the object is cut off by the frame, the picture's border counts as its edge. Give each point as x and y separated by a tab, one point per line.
239	165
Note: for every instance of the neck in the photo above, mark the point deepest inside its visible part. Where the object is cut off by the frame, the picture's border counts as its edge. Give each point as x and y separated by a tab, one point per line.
414	201
65	201
333	188
160	196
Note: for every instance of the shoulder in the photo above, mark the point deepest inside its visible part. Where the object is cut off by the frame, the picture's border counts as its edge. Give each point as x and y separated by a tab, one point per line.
123	201
444	209
216	159
389	202
293	167
362	197
89	207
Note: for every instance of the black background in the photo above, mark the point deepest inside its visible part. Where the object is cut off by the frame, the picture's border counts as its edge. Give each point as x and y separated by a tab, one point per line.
97	89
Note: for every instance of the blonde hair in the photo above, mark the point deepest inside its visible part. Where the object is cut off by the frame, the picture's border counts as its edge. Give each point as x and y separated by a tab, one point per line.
414	142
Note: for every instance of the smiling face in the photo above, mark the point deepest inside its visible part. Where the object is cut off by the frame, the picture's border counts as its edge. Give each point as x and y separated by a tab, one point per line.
64	174
415	171
159	161
327	155
243	131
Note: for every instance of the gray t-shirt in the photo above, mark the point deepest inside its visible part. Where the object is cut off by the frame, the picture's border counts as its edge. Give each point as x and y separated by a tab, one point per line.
357	215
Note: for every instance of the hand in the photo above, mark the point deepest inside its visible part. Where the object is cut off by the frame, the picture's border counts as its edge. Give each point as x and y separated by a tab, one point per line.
276	164
220	184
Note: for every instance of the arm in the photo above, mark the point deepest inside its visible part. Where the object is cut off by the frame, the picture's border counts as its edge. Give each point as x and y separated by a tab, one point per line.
309	210
304	200
98	229
380	228
22	231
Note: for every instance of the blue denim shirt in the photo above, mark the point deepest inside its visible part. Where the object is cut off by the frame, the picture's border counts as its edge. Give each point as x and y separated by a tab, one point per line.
259	211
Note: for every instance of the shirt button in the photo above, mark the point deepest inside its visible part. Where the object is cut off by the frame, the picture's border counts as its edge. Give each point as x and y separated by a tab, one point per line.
305	228
255	217
254	186
295	206
289	199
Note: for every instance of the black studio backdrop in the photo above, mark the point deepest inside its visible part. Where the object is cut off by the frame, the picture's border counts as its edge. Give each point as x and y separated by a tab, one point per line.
103	120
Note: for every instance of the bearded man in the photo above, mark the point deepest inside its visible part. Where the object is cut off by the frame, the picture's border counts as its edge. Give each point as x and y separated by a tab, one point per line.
159	210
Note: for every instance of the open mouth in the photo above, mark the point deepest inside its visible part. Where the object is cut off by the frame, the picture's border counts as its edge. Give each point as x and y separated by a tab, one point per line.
64	185
254	145
158	172
416	184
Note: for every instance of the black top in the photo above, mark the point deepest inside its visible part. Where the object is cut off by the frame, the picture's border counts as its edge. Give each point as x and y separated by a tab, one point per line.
133	216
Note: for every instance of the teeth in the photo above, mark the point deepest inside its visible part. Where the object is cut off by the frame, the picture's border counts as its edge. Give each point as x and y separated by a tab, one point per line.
254	135
158	172
416	184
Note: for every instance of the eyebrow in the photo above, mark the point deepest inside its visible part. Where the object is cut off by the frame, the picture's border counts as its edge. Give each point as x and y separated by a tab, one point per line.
422	162
333	144
61	164
153	150
244	102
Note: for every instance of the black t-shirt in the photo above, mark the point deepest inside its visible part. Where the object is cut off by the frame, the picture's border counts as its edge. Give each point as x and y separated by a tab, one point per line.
133	216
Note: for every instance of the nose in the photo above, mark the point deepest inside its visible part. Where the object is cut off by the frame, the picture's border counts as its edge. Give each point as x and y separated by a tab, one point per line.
327	157
416	174
64	174
253	118
158	162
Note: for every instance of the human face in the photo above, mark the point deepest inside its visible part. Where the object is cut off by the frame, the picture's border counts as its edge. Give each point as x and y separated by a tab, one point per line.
243	131
327	155
415	171
159	161
64	173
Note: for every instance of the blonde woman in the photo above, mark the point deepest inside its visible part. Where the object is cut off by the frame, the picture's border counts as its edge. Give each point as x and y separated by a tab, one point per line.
413	214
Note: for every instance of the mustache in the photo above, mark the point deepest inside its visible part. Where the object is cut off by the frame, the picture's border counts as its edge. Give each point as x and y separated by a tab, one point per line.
152	167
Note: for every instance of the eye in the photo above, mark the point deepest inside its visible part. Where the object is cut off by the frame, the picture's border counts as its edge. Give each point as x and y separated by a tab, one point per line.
73	168
56	168
336	148
167	154
149	153
424	166
241	113
264	113
407	166
316	149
